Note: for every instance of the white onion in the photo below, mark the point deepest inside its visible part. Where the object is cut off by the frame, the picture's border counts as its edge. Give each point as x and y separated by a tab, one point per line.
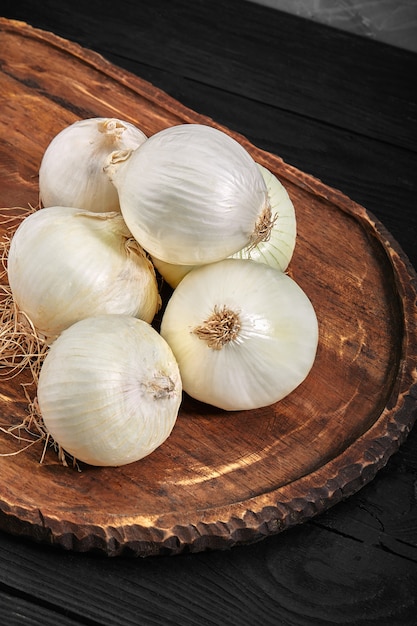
190	194
244	334
65	264
109	390
277	250
71	171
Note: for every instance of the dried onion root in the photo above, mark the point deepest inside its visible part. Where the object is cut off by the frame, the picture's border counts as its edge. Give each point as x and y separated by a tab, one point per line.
20	345
21	348
31	430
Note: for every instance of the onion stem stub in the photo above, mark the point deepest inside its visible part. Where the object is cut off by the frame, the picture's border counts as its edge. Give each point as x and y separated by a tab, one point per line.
160	386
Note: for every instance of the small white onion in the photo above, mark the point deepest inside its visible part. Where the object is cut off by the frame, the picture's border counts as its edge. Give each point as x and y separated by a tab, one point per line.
244	334
66	264
109	390
276	251
71	171
190	194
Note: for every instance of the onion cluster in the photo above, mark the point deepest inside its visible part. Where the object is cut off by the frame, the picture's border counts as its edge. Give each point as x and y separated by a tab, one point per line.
237	332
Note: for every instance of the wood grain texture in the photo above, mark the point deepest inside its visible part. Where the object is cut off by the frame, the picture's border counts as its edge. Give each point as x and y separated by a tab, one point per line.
332	106
278	466
307	576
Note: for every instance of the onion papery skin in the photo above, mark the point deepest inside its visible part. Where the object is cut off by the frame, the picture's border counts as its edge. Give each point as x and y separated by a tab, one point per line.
109	390
71	171
190	194
65	264
273	351
276	251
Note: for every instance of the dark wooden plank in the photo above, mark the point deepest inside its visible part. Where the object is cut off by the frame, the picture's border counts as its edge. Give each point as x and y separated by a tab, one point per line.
384	512
308	576
18	610
282	65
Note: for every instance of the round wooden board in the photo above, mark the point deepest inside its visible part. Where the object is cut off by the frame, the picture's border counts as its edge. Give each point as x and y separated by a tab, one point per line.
221	479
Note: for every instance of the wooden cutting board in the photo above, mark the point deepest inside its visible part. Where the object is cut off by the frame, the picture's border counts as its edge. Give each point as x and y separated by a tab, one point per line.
221	479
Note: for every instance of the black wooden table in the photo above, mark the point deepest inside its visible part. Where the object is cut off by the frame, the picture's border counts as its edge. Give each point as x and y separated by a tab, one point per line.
345	110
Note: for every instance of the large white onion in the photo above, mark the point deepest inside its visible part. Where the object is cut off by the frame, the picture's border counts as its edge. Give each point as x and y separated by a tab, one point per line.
65	264
277	250
109	390
71	171
244	334
190	194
